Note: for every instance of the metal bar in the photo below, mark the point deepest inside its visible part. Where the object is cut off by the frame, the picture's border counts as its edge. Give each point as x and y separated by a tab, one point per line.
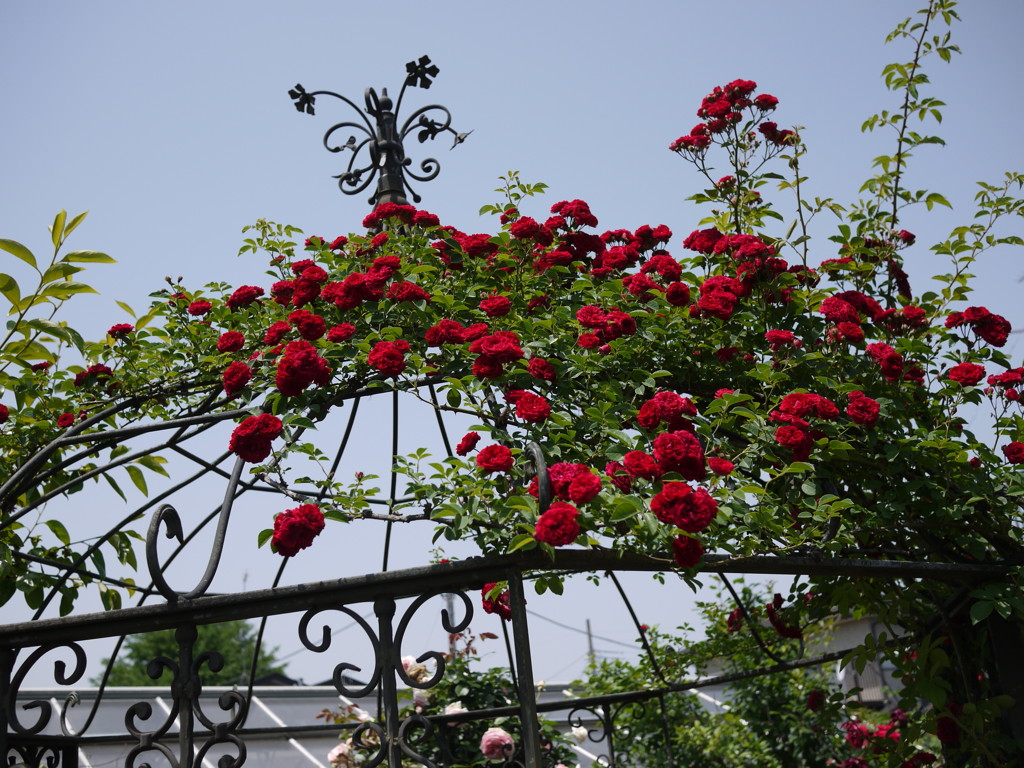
446	577
384	608
530	728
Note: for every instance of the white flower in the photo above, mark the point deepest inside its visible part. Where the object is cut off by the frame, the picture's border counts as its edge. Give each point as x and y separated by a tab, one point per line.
579	733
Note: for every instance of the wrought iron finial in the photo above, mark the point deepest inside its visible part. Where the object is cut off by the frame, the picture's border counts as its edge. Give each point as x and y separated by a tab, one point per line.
383	138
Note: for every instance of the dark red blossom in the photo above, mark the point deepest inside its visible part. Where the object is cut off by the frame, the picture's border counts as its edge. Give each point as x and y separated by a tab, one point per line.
310	327
677	294
276	332
235	377
541	369
92	374
618	476
300	367
530	407
406	291
467	443
862	409
231	341
642	465
499	605
388	357
680	452
558	525
1014	452
496	306
966	374
720	466
494	458
686	551
816	700
199	308
680	505
295	529
243	296
64	421
251	439
341	332
120	330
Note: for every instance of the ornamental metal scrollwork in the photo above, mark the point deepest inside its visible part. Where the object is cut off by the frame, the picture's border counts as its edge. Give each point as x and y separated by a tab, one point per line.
435	656
383	139
60	675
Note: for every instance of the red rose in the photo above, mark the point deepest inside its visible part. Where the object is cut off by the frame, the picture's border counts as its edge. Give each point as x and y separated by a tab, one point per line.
720	304
467	443
388	357
589	341
558	525
678	294
680	505
524	229
232	341
1014	452
243	297
276	332
618	476
816	700
687	551
120	330
496	306
836	310
341	332
501	346
91	374
310	327
530	407
702	241
541	369
406	291
640	464
584	487
779	338
5	414
487	368
734	622
251	439
300	367
499	605
721	466
236	377
494	458
680	452
296	528
199	308
64	420
862	409
765	102
966	374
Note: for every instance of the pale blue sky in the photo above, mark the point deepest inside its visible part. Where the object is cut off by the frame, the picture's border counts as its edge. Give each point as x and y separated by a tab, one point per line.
171	123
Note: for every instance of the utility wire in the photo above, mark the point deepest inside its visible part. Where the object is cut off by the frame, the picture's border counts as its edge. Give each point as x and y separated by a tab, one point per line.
581	631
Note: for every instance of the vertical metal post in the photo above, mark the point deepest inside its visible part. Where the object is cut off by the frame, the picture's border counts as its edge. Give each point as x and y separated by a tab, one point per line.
384	608
185	690
7	657
666	732
609	729
524	667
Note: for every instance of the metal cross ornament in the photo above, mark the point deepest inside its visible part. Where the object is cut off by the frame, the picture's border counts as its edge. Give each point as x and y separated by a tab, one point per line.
382	137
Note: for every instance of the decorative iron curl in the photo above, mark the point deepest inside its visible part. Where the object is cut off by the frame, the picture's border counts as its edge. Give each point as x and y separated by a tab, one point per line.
406	743
539	466
385	140
60	675
380	743
225	761
41	756
436	656
150	746
168	516
596	735
325	643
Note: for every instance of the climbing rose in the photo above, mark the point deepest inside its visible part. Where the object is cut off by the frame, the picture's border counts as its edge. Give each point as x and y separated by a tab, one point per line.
310	327
584	487
300	367
243	297
496	744
499	605
640	464
199	308
1014	452
558	525
5	414
862	409
251	439
530	407
494	458
680	505
276	332
232	341
467	443
341	332
388	356
721	466
816	700
687	551
296	528
120	330
496	306
541	369
966	374
65	420
677	294
235	378
407	291
91	374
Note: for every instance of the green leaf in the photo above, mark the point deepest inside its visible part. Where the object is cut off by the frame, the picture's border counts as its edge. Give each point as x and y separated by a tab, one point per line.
523	540
115	486
980	611
67	289
59	271
70	227
17	249
125	307
10	290
264	536
89	257
154	464
138	478
50	327
57	230
59	531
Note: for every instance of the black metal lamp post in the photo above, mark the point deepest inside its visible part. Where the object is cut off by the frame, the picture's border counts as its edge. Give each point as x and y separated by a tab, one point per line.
384	139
